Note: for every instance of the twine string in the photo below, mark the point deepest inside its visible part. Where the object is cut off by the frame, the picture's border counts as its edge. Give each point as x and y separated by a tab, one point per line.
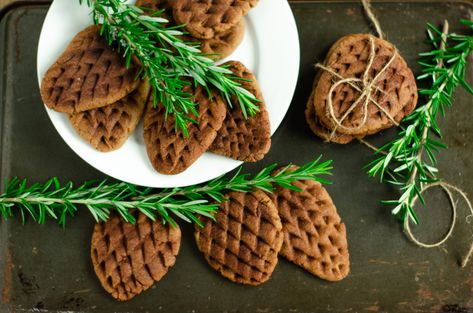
372	17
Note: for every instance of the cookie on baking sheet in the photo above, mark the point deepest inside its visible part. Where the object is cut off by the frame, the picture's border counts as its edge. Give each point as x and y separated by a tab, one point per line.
320	130
203	19
128	259
169	150
218	47
89	74
243	241
107	128
314	235
240	138
394	89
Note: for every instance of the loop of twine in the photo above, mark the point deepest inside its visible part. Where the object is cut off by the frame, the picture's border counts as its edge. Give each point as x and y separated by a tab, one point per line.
448	189
364	86
372	17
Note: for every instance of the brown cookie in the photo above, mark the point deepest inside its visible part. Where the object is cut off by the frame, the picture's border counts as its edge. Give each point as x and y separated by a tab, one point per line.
204	19
169	150
128	258
394	89
314	236
107	128
88	75
243	242
240	138
218	47
320	130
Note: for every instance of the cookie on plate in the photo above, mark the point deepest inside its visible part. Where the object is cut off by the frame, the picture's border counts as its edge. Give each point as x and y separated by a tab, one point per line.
107	128
244	240
314	235
204	19
169	150
241	138
89	74
393	85
128	259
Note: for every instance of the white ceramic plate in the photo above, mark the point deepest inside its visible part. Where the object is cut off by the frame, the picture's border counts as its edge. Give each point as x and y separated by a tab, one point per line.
270	49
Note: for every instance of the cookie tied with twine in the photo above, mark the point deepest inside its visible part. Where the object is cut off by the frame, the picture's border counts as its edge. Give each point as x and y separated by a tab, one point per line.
363	87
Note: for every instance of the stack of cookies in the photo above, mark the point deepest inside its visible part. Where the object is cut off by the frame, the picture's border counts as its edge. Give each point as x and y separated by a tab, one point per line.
90	83
217	25
363	87
250	230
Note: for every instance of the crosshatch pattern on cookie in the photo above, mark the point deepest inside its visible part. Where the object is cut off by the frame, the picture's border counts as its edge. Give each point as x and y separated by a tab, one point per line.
244	241
89	74
169	150
395	92
314	236
203	19
129	258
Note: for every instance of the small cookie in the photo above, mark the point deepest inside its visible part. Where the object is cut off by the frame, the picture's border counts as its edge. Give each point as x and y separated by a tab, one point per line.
129	258
169	150
243	242
107	128
240	138
88	75
204	19
220	46
314	236
394	89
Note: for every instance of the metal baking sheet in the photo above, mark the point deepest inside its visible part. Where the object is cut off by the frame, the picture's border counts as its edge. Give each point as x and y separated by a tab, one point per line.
47	268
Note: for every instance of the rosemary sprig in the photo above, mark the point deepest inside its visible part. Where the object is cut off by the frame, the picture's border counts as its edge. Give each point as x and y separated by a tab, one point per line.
165	59
409	161
55	201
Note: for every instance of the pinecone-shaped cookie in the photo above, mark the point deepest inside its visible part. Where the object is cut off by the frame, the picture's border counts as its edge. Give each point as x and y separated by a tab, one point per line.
244	240
314	235
128	258
218	47
203	19
88	75
107	128
169	150
240	138
392	86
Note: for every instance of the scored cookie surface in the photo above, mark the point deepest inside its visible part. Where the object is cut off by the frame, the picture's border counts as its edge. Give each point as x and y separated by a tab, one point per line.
107	128
203	19
89	74
394	89
314	235
169	150
128	259
240	138
243	242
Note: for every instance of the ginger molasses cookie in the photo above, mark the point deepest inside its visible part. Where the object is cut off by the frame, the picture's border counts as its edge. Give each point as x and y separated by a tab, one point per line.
243	242
169	150
240	138
204	19
88	75
107	128
314	235
364	86
128	259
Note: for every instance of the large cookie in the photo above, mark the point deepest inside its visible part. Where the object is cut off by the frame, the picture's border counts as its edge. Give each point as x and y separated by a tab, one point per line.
314	235
107	128
88	75
203	19
394	89
240	138
128	258
218	47
243	241
169	150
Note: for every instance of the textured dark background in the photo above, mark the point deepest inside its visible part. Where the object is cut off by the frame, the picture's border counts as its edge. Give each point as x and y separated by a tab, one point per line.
47	269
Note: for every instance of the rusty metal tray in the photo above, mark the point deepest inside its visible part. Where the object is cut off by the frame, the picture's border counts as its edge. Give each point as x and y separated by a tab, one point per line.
47	268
